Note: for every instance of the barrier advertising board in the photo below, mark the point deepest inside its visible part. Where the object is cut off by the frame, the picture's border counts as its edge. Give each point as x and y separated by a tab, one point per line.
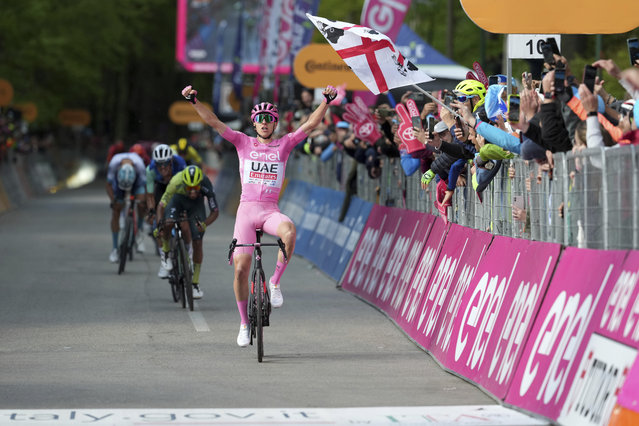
572	306
498	310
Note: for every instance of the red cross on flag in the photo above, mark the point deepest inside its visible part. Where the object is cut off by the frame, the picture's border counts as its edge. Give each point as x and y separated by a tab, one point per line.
371	55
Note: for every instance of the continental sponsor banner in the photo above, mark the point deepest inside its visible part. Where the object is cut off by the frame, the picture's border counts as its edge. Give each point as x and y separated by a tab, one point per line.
498	310
74	117
402	261
602	370
569	314
181	112
440	306
586	16
406	311
318	65
347	237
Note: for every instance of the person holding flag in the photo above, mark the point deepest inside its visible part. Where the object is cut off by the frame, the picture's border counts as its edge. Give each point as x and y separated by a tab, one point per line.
262	167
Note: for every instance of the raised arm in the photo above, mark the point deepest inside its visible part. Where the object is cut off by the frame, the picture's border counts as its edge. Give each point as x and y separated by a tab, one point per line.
207	115
316	116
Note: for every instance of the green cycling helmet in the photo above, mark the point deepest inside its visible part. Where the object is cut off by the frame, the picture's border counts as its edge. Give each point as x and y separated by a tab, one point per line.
192	176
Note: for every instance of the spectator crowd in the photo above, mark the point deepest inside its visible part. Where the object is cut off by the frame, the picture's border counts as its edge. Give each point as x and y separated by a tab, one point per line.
462	136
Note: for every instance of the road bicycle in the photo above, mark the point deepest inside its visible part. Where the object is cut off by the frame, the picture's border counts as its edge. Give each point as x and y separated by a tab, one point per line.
127	235
259	303
181	276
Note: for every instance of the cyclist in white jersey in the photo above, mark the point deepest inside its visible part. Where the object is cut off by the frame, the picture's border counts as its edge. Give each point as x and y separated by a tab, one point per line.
262	166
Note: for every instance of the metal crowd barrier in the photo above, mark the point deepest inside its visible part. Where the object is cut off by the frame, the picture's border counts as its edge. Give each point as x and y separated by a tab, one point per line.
590	201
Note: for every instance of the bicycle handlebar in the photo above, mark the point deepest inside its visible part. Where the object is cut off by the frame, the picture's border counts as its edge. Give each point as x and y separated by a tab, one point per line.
279	244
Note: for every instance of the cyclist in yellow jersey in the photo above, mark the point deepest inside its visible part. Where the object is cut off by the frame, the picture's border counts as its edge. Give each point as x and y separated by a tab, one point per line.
186	151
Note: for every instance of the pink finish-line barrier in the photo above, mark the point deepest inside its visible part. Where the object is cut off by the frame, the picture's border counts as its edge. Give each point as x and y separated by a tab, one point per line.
551	330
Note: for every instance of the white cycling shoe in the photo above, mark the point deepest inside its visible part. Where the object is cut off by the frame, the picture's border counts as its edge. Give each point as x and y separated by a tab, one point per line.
162	272
277	299
197	293
141	248
165	261
243	338
113	257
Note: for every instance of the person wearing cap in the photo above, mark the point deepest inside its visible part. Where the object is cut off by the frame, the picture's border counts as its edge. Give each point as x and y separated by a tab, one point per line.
187	152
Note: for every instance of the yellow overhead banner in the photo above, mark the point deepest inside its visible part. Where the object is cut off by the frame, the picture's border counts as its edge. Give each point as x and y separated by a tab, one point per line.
318	65
554	17
182	112
29	111
6	92
74	117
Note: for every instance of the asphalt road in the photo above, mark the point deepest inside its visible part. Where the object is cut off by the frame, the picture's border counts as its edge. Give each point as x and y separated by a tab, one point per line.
75	334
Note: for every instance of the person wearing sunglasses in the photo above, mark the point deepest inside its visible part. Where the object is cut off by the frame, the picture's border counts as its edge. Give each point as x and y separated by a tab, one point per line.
262	166
164	165
185	195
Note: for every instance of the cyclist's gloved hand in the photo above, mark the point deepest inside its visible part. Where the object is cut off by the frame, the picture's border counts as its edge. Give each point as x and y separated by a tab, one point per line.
329	93
201	226
189	93
156	232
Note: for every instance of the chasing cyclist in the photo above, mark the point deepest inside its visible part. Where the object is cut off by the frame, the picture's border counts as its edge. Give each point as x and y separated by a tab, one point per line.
262	167
125	172
185	194
186	151
164	165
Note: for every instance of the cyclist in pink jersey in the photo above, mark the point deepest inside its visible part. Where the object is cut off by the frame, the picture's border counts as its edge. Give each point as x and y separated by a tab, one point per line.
262	166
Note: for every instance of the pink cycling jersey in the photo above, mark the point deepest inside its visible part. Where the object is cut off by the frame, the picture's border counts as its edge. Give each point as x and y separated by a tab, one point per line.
262	166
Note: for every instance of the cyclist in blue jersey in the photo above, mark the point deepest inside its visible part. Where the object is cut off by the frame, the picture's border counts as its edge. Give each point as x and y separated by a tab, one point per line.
164	165
125	173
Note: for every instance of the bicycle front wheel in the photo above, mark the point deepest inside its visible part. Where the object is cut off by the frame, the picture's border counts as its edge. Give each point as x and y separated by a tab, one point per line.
259	324
124	244
187	274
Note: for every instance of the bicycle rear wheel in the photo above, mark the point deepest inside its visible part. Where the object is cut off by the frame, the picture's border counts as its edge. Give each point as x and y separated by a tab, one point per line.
174	281
177	271
259	314
124	244
187	275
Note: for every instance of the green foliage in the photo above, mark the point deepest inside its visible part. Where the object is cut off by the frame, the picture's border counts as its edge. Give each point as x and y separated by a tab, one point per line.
116	57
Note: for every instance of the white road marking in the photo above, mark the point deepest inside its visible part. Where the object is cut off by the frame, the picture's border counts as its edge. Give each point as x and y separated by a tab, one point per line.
197	319
468	415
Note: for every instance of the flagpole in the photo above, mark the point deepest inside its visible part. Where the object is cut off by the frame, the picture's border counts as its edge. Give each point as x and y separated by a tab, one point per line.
443	105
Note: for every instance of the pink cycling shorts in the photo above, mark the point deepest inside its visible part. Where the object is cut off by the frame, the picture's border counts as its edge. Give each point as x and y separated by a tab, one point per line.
252	215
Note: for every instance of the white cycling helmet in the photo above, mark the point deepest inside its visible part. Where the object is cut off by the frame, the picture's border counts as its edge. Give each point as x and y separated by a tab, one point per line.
162	153
126	177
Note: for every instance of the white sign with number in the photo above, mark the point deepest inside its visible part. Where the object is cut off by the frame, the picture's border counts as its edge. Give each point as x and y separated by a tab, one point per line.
528	46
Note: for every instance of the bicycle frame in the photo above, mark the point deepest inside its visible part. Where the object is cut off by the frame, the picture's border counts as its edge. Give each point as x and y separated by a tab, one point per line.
259	304
127	235
181	273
